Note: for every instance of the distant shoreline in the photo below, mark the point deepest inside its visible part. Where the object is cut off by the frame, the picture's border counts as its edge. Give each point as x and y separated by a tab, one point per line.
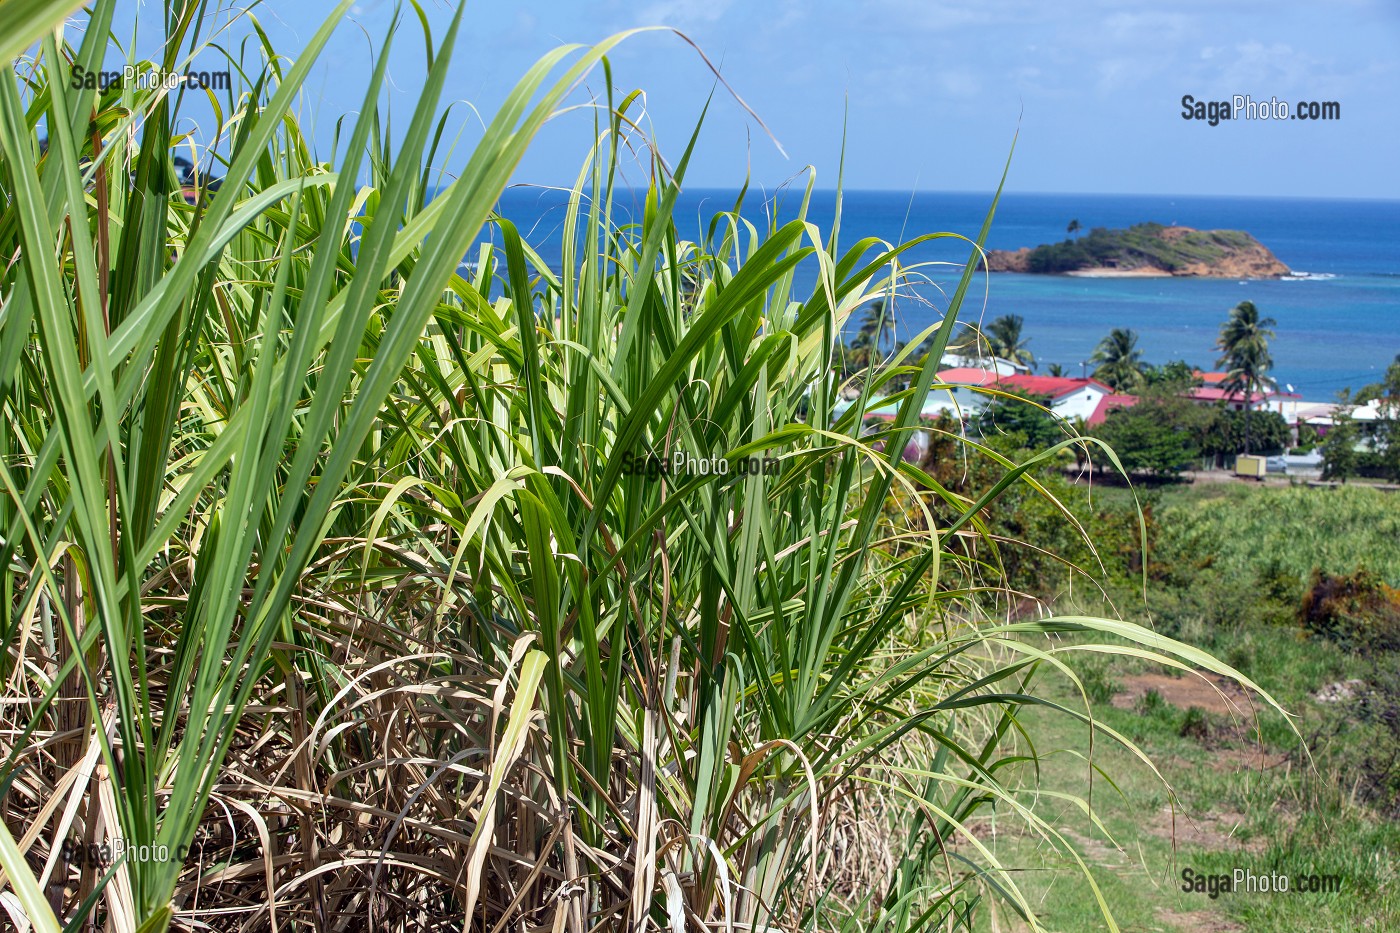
1141	273
1146	249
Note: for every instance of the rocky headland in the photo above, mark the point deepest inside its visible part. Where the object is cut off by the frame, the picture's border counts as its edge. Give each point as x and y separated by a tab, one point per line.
1147	249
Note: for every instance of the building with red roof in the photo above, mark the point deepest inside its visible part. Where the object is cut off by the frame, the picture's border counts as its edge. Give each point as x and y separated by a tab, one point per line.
1070	398
967	375
1210	395
965	397
1107	404
1054	386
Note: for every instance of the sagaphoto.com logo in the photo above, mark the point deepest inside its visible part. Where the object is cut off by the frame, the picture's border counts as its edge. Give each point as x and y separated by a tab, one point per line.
676	463
1247	881
1246	108
682	465
148	78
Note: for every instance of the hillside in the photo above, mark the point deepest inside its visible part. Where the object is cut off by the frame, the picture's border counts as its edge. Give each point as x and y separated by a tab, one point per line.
1147	249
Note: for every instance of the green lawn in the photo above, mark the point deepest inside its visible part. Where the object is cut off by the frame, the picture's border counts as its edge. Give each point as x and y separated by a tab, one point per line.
1240	805
1229	566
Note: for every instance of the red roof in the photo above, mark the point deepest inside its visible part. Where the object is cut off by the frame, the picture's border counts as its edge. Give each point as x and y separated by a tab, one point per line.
1215	394
967	375
1108	403
1053	386
1210	379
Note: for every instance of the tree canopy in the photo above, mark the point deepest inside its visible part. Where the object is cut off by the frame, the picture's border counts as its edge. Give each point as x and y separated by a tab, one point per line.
1120	363
1244	348
1006	340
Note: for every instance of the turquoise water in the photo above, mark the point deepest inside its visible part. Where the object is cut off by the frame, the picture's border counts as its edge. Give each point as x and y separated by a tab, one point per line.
1340	327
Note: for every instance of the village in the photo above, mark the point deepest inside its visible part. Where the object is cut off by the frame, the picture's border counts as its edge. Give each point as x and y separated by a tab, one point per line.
982	376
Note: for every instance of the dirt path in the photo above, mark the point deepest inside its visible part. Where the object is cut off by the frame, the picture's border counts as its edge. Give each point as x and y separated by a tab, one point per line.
1211	693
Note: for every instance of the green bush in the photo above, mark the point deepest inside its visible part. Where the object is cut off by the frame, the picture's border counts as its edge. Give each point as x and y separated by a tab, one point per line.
1100	686
1147	440
1195	724
1340	458
1226	433
1020	422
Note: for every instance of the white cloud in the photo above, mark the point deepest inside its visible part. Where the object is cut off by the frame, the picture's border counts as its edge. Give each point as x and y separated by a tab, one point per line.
1153	27
959	83
1275	67
683	13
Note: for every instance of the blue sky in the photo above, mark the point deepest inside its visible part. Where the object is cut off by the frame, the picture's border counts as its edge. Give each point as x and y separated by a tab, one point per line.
934	90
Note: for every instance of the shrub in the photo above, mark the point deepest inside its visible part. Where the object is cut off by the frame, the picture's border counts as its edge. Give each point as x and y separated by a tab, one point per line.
1151	702
1357	610
1023	422
1060	257
1100	686
1195	724
1146	440
1377	711
1223	436
1340	458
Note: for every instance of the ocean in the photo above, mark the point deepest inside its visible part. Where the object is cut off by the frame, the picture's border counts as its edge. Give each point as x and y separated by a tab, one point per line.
1338	327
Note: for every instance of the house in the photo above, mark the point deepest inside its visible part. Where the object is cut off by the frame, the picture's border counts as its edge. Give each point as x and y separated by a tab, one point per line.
967	391
983	362
1212	391
1233	399
1107	404
966	382
1070	398
937	403
1297	412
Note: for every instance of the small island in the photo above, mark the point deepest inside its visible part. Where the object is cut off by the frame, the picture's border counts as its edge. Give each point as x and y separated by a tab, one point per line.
1147	249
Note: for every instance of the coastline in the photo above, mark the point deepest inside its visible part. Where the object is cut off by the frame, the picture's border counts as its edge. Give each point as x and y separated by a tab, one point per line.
1141	273
1332	333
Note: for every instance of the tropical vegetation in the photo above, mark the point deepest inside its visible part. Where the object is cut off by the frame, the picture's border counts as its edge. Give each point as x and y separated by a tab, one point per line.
330	599
1120	364
1144	245
1296	586
1006	340
1244	352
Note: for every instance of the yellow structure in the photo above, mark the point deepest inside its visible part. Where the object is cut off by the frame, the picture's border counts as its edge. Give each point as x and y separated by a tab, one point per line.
1246	465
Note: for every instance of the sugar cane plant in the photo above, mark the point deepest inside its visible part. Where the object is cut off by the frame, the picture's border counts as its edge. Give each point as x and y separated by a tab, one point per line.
334	596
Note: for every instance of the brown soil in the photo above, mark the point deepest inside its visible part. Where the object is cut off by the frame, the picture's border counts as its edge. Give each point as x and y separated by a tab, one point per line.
1098	851
1210	692
1199	921
1251	757
1214	832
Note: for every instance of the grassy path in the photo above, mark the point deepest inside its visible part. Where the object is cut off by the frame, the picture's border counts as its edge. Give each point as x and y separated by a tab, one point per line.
1242	806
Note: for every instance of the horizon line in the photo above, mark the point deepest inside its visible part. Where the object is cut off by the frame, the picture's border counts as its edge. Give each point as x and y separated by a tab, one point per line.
988	192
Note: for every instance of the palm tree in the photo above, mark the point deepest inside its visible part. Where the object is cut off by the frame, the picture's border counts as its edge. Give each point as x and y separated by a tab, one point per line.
871	334
874	325
1119	360
864	348
1005	340
1055	369
1073	227
1244	349
966	342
